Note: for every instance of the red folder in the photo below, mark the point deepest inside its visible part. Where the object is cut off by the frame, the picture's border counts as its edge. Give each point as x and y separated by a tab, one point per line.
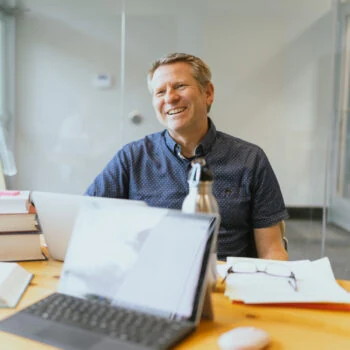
320	306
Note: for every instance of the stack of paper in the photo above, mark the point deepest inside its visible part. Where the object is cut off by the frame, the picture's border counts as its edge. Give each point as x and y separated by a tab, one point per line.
316	285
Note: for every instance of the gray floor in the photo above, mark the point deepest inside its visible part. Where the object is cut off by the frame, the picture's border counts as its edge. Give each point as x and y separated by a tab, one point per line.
305	242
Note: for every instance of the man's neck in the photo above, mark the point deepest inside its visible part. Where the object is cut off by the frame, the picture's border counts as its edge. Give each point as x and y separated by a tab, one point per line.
188	149
190	140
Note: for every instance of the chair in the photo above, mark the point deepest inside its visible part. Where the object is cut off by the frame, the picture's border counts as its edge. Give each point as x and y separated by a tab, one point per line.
283	231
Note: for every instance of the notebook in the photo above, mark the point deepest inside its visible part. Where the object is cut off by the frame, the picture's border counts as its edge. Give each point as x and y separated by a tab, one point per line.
132	279
57	213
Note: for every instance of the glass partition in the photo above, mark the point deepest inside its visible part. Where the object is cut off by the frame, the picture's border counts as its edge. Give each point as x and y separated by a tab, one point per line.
273	73
337	241
68	89
340	143
81	93
7	35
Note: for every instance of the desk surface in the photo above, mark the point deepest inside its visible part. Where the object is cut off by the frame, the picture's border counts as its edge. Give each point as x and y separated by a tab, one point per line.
289	328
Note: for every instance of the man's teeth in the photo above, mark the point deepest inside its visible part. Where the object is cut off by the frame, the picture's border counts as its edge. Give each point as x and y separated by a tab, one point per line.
176	110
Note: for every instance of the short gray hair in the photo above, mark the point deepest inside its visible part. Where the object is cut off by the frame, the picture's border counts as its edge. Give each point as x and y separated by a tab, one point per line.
201	71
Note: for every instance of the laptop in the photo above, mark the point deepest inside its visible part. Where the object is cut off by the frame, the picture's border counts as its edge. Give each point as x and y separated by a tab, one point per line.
133	279
57	213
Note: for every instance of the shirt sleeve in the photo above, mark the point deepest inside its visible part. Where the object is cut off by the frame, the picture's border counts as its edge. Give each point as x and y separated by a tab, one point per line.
268	206
113	181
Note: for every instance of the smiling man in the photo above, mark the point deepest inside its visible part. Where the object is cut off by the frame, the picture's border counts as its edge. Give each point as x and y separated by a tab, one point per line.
181	104
155	168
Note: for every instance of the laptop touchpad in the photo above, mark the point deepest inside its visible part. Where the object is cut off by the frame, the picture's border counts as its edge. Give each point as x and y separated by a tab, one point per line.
68	337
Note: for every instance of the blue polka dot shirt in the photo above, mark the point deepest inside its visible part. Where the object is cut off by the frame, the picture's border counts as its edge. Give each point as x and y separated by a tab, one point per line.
245	186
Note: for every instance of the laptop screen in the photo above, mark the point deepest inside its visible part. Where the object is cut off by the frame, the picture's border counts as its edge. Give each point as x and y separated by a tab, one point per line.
148	259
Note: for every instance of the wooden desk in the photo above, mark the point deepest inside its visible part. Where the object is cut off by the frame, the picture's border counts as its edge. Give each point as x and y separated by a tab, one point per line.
292	329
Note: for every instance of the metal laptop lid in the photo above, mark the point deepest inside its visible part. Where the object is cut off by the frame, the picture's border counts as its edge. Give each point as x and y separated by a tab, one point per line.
148	259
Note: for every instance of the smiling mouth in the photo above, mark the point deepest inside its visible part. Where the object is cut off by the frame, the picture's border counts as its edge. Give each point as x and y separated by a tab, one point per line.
175	111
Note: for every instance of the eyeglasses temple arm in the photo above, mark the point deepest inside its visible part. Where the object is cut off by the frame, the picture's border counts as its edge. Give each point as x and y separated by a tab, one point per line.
229	270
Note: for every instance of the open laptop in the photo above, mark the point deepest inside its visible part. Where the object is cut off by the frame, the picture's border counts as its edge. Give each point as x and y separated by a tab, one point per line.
57	213
132	279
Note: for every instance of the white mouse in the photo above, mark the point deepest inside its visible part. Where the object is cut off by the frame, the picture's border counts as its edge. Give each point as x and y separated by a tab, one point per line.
244	338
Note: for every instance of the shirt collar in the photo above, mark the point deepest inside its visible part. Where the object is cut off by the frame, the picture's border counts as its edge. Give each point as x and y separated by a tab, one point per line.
203	147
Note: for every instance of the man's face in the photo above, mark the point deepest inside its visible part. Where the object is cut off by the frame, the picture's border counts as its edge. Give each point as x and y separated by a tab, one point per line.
179	103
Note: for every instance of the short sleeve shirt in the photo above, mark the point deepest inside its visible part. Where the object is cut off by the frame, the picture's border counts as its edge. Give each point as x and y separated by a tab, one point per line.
247	191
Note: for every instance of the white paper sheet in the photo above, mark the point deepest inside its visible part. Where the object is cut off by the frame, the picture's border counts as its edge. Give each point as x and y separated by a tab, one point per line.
315	280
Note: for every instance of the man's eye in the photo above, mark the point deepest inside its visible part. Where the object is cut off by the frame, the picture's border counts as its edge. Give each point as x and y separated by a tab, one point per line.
160	92
180	86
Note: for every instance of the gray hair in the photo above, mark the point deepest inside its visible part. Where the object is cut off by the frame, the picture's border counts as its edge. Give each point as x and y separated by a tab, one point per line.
200	70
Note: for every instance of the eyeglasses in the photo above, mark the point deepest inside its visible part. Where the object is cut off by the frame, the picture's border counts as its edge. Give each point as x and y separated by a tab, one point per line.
270	269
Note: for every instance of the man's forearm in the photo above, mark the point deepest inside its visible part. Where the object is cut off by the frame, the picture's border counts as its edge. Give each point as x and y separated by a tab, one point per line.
269	243
275	254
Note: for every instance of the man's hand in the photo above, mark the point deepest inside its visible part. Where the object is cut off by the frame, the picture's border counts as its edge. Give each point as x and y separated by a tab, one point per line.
269	243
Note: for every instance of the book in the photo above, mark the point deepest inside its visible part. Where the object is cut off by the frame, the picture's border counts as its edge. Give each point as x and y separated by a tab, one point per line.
20	222
14	202
14	280
21	247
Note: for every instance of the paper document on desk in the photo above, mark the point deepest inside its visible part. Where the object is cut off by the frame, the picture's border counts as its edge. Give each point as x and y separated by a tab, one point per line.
315	284
222	268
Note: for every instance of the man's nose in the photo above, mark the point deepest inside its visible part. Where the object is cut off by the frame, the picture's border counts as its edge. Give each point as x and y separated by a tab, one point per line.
171	96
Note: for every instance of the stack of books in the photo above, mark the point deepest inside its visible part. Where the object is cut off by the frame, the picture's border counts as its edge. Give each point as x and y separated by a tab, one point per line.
20	230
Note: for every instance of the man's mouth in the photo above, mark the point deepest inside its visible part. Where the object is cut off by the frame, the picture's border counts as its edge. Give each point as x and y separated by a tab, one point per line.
175	111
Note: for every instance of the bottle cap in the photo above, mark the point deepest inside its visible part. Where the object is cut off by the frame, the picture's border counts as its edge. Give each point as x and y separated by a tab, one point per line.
199	172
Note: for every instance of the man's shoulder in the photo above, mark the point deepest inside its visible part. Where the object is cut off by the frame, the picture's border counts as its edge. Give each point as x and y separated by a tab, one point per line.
234	142
147	142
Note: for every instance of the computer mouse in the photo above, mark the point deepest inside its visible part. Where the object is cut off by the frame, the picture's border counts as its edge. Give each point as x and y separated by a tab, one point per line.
244	338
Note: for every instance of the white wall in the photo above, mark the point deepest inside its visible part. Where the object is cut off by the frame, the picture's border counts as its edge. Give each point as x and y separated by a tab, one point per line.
66	128
271	67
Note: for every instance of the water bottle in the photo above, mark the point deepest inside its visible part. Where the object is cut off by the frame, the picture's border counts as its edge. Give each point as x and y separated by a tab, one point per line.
200	199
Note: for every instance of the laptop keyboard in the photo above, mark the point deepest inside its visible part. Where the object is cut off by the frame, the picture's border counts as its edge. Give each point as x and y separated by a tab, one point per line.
117	322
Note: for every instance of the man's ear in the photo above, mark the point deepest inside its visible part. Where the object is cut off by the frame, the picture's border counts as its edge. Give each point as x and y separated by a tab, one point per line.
209	92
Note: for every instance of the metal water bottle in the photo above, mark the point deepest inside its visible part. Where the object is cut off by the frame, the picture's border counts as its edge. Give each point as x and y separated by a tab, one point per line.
200	199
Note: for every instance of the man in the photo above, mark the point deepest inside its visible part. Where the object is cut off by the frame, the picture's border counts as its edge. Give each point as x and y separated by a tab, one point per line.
155	169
